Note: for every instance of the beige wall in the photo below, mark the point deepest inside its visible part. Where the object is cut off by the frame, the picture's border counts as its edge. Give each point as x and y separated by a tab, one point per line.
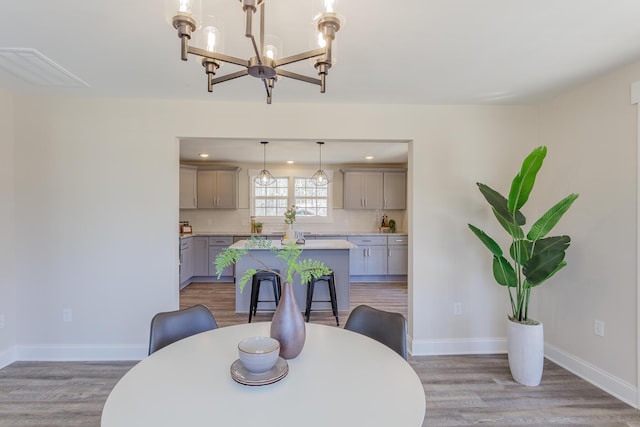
97	182
592	136
7	231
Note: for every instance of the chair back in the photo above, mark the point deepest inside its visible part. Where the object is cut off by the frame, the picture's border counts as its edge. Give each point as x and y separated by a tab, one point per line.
386	327
171	326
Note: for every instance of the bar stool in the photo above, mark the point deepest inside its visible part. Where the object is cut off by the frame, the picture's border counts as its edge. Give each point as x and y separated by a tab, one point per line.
259	277
329	279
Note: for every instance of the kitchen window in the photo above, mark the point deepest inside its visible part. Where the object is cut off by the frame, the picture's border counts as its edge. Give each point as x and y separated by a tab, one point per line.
313	204
272	200
310	200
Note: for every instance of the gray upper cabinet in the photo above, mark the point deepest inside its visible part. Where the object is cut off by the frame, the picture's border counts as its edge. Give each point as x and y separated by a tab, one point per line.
218	189
363	190
188	187
375	189
395	190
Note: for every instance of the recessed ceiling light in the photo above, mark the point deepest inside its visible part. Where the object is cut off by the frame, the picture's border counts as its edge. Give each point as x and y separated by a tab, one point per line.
204	155
369	157
290	162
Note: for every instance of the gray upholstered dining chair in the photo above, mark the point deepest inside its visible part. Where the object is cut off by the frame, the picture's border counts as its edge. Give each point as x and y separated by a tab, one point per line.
170	326
384	326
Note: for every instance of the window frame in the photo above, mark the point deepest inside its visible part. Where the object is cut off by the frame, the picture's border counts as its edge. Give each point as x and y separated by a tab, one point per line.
290	175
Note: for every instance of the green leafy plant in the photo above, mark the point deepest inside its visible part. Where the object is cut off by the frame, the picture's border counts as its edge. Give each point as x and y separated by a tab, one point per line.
289	253
535	256
290	215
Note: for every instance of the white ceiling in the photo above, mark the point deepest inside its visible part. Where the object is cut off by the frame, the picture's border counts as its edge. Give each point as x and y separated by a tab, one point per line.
298	151
405	52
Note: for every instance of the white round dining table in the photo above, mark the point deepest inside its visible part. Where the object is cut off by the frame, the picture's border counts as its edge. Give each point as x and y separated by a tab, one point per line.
341	378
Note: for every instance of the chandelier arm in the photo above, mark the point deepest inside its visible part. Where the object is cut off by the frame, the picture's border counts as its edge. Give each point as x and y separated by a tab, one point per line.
228	77
296	76
249	31
300	57
261	31
218	56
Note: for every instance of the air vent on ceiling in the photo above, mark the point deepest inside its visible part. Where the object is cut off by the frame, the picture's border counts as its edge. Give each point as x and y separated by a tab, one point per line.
33	67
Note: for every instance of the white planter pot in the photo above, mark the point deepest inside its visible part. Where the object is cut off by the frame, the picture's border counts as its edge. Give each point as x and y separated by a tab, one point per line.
526	352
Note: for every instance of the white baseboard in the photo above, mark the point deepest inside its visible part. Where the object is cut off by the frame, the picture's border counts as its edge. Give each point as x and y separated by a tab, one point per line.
618	388
80	352
7	357
457	346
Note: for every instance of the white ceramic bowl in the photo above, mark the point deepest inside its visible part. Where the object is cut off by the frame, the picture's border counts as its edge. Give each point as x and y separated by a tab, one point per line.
258	354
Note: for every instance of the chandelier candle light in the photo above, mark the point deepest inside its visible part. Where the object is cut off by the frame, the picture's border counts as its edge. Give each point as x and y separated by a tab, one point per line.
264	65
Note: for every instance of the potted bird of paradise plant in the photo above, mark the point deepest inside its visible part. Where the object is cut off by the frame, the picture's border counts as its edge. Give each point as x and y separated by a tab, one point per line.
535	258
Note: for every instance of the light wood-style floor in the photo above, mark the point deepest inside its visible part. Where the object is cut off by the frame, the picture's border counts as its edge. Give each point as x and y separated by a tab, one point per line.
459	390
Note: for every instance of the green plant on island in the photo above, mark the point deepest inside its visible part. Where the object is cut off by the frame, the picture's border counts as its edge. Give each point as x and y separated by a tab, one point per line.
290	215
535	256
289	253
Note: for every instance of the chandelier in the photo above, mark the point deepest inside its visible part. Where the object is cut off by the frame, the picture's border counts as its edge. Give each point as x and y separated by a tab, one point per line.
264	65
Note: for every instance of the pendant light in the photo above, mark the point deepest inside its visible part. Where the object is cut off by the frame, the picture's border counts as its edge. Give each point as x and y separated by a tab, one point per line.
320	178
264	178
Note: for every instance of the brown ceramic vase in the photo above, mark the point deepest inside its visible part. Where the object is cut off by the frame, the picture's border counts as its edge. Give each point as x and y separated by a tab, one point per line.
287	325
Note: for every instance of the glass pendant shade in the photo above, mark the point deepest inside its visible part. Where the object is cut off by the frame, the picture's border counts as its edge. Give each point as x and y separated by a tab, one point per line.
189	8
264	178
320	178
211	36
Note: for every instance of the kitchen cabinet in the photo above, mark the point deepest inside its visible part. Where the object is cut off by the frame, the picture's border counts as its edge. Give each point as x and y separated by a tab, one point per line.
217	188
375	189
397	255
370	257
363	190
216	246
186	260
188	187
395	190
200	256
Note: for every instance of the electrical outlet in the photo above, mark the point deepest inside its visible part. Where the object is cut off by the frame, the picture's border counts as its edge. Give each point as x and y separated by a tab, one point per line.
598	328
67	315
1	321
457	309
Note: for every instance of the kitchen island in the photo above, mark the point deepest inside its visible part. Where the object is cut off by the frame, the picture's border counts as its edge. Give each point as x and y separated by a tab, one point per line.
334	254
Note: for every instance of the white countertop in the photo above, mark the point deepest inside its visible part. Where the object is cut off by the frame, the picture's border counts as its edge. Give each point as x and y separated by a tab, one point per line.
280	234
309	244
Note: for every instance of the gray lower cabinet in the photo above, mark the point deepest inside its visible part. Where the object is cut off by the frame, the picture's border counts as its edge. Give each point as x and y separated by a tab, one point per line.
216	245
397	255
200	256
370	257
186	259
